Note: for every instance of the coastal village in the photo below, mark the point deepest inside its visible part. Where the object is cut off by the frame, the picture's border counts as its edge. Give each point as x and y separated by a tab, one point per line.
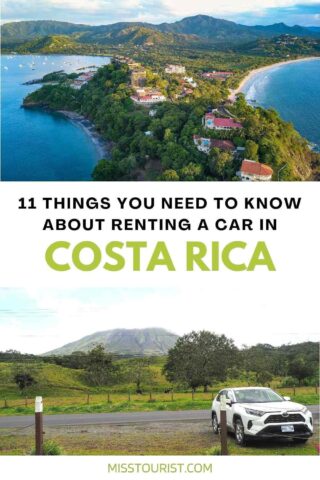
218	120
219	134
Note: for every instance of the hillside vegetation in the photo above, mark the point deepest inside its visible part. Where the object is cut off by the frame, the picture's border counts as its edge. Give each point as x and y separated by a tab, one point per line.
169	154
202	28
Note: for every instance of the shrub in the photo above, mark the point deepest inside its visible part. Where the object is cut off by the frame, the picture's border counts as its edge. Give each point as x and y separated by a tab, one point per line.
50	447
214	450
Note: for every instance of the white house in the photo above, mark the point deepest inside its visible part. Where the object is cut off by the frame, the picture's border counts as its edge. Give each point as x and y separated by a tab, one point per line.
175	69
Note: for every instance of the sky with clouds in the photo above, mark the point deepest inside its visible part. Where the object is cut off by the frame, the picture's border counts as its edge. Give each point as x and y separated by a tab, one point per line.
303	12
37	320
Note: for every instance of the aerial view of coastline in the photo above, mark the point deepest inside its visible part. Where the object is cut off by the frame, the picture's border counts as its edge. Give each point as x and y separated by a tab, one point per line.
158	95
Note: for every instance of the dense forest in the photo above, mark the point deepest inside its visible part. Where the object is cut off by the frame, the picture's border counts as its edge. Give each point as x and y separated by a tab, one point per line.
167	151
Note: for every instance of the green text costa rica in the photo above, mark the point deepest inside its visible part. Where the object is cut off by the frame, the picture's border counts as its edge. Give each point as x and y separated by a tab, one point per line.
137	256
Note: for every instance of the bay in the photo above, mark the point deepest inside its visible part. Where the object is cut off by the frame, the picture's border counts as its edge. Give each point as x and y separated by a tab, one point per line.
293	90
38	145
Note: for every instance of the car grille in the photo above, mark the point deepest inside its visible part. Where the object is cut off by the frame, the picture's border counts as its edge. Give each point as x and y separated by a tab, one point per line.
292	417
276	430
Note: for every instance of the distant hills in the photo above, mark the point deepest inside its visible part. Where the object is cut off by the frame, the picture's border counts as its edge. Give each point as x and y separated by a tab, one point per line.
196	29
147	341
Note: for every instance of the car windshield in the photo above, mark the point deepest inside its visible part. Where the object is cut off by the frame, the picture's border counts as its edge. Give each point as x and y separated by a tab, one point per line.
257	395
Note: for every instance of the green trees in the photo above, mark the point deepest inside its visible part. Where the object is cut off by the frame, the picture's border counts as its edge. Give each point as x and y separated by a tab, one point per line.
99	367
24	380
299	368
251	150
200	359
106	101
138	371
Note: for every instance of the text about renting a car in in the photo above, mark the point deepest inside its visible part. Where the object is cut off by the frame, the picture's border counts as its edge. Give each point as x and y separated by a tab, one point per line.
131	232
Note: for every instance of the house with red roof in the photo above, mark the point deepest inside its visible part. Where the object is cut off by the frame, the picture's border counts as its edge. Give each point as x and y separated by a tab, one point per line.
213	123
255	171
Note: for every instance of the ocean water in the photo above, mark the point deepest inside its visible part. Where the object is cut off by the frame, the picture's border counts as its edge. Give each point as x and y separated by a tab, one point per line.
294	91
36	145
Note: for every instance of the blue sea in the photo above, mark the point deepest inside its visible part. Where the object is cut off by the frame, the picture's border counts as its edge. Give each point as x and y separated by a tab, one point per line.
294	91
37	145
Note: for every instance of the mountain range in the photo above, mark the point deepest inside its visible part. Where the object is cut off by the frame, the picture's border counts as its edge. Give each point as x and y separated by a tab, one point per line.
196	29
147	341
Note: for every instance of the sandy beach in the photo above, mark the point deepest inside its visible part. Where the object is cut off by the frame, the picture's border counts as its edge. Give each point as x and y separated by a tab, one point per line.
233	93
102	146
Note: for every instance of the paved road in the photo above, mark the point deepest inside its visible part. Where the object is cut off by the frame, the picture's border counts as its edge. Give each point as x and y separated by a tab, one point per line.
117	418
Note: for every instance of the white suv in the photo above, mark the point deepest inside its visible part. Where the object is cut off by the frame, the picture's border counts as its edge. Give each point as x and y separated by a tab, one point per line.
258	412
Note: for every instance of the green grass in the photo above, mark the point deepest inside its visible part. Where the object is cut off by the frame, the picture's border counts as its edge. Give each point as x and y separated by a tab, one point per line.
66	391
99	404
270	448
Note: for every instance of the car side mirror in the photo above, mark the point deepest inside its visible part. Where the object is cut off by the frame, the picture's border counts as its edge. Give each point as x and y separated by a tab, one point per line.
287	398
229	402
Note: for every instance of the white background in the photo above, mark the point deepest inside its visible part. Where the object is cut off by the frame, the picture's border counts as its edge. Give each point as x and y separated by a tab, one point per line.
287	298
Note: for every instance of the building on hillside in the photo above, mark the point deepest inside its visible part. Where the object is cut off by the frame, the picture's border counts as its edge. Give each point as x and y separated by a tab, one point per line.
190	81
133	65
225	145
147	96
214	75
206	144
214	123
175	69
138	78
203	144
255	171
83	79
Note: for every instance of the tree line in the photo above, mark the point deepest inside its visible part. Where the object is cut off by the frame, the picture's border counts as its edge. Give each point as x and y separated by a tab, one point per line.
197	360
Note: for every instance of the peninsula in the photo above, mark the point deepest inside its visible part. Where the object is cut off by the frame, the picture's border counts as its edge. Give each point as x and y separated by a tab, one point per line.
170	103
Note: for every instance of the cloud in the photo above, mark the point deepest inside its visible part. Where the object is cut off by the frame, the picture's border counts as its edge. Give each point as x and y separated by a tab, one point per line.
76	313
156	11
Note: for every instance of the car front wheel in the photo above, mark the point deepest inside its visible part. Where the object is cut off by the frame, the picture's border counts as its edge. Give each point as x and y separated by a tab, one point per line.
239	432
215	424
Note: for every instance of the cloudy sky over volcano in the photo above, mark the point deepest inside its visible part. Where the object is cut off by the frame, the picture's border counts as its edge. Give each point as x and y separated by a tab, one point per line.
248	12
36	320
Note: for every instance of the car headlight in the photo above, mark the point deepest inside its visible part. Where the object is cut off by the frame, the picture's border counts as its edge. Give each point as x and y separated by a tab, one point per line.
257	413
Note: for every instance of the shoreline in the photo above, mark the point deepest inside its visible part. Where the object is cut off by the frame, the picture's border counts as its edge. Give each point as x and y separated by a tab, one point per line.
234	92
102	146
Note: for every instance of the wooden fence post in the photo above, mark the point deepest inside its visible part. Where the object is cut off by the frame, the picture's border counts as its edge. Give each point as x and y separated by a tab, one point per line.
88	398
223	425
129	397
108	397
26	401
150	396
294	390
192	394
5	403
171	395
38	408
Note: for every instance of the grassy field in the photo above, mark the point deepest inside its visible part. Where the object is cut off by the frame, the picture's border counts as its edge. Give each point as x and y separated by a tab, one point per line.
119	402
65	391
174	438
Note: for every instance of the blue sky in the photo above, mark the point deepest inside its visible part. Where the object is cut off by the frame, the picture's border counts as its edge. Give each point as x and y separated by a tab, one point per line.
36	320
106	11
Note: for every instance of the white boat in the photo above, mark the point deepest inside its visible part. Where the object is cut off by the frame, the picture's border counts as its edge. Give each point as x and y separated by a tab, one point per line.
6	68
